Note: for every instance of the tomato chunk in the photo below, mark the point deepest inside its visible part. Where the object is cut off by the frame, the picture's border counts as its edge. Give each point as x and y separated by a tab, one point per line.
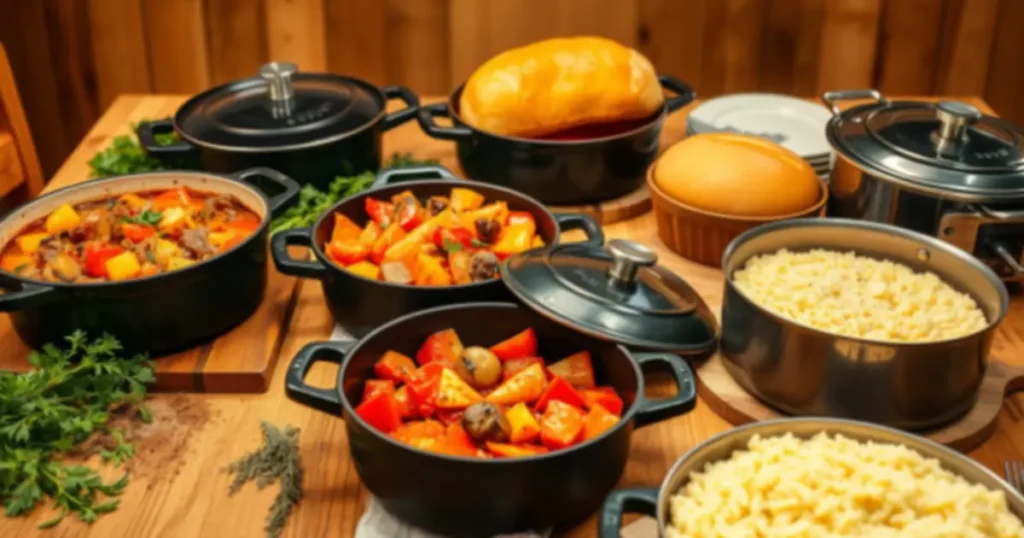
523	344
443	346
423	388
381	412
137	233
379	211
96	256
347	253
374	387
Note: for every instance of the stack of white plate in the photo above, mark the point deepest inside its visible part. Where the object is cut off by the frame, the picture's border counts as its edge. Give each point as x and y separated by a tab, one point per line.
791	122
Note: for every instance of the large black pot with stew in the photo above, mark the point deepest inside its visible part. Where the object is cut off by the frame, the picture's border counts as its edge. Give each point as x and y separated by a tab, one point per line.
310	126
577	167
163	261
613	303
360	303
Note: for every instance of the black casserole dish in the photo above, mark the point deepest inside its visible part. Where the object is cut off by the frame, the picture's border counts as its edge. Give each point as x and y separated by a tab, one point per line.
585	170
157	314
459	496
310	126
359	303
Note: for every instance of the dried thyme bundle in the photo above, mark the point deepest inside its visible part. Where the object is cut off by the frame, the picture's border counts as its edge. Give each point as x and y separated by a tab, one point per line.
276	461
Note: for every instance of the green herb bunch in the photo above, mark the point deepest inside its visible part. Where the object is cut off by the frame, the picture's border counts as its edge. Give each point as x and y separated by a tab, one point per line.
312	202
276	461
59	404
126	156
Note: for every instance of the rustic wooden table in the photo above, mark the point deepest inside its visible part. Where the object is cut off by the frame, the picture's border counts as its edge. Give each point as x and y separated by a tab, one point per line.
184	494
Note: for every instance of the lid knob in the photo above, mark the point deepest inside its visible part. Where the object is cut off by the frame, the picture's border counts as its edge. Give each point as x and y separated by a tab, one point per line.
954	118
628	257
278	76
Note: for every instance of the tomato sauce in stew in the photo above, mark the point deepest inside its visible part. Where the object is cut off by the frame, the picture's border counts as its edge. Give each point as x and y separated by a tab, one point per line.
130	236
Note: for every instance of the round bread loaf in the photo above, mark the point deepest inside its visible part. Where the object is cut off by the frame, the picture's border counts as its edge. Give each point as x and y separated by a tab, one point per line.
558	84
737	175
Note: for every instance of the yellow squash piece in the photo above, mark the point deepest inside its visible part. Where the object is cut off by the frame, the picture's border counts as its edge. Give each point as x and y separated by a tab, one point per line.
179	263
523	427
63	219
133	201
123	266
365	269
164	250
219	239
465	199
173	218
29	243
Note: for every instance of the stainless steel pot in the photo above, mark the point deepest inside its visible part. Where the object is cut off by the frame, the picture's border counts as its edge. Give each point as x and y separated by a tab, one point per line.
805	371
942	169
655	502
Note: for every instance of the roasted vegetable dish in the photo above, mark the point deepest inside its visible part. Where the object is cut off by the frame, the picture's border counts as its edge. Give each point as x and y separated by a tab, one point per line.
497	402
439	241
133	235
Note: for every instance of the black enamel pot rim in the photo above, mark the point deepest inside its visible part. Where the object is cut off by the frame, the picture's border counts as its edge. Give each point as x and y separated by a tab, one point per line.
123	284
411	185
350	414
652	122
242	83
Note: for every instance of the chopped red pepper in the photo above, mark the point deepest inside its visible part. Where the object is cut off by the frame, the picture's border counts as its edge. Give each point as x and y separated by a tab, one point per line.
442	346
394	366
347	253
381	412
457	442
137	233
384	241
171	198
96	256
404	405
374	387
423	388
344	231
380	212
606	397
560	425
577	369
559	390
449	416
523	344
244	221
408	213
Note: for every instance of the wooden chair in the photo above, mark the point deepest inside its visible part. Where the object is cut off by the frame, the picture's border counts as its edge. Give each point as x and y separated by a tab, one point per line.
21	177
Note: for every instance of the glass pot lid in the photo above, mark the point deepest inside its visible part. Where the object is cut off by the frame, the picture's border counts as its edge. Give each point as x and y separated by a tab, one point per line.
615	293
279	109
949	147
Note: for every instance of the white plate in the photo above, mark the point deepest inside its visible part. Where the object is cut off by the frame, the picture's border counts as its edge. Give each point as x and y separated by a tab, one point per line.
792	122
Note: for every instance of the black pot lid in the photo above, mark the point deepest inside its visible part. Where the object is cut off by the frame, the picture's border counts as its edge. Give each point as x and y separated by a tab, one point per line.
948	147
280	109
616	293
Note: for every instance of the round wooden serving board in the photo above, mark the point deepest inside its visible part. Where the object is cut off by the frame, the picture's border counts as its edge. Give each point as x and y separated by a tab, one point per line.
618	209
727	398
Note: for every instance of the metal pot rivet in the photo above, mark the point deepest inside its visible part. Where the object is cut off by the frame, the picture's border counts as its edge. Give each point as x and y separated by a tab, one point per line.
923	254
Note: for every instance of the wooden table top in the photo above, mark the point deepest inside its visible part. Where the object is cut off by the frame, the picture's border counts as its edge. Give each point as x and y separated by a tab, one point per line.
189	497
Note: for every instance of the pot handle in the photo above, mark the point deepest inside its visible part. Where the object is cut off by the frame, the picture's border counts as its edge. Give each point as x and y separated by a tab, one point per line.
391	176
326	400
580	221
147	132
278	201
832	99
625	501
651	411
426	117
684	94
290	266
398	117
28	297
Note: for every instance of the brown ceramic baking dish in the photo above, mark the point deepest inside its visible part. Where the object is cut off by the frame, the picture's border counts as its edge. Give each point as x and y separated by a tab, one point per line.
702	236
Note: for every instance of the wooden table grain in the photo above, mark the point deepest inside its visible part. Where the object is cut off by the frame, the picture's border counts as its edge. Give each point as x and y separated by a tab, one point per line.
193	502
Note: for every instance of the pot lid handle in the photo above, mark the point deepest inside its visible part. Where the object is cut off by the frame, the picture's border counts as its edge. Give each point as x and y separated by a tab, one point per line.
954	118
278	76
832	99
627	259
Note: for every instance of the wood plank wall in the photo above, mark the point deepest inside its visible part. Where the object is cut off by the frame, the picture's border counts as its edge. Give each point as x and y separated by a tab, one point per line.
73	57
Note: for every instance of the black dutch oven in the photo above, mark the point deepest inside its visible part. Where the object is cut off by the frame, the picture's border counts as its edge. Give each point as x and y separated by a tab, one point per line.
575	296
159	314
360	304
558	171
310	126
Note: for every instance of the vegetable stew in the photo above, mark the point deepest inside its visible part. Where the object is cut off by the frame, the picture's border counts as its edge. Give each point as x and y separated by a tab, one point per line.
503	401
130	236
439	241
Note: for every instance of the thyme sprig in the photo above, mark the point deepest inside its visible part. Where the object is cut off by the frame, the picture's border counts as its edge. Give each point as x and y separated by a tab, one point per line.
277	460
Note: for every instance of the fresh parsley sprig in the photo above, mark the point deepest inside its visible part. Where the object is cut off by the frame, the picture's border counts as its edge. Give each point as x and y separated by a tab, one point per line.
59	404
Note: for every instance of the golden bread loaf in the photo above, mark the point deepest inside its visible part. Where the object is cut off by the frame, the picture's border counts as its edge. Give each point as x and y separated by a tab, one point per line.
558	84
737	175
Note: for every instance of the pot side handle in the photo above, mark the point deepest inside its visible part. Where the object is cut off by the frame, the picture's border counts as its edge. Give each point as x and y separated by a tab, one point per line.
279	201
398	117
302	237
625	501
147	132
580	221
652	411
326	400
29	297
832	99
391	176
684	94
426	116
